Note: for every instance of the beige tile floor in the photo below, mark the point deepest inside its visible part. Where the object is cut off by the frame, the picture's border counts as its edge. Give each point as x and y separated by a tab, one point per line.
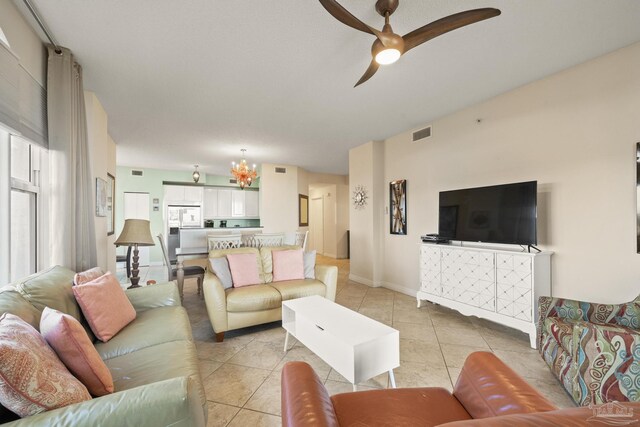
242	374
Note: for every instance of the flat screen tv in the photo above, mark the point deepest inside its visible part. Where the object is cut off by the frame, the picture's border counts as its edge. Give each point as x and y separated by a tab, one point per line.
495	214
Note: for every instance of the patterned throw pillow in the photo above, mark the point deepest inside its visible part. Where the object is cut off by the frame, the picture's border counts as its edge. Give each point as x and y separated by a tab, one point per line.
629	315
32	378
71	343
105	306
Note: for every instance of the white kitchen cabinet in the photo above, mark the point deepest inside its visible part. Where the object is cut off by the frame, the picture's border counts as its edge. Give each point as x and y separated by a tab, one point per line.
252	204
219	203
210	203
183	195
237	203
224	203
193	194
173	193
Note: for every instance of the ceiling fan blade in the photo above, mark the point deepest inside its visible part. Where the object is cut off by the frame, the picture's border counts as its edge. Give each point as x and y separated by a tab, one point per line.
446	24
373	67
344	16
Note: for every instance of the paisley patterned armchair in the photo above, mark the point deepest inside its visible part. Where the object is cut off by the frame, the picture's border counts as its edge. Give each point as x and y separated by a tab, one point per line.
593	349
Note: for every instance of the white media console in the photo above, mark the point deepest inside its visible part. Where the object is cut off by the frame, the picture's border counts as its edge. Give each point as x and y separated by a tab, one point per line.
495	284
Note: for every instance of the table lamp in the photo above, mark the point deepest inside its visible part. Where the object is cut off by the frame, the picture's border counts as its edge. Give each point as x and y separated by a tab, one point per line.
136	232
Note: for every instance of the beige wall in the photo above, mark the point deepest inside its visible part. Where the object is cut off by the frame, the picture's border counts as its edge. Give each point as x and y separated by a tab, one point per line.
279	198
279	201
342	219
335	218
573	132
365	167
103	160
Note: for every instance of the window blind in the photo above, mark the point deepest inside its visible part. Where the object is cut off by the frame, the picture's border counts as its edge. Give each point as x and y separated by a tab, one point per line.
23	101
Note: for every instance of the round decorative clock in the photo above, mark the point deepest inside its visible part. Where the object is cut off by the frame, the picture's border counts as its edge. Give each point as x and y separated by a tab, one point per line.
359	197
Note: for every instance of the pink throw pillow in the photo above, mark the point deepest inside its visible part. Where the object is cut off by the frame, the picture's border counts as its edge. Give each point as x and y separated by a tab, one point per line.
244	269
32	378
71	343
288	265
87	276
105	306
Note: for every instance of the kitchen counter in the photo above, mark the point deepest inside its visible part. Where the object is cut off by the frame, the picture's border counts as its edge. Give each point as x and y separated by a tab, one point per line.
225	228
197	237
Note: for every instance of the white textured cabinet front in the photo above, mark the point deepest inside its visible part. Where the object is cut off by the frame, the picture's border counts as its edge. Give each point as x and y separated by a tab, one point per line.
514	286
500	285
468	277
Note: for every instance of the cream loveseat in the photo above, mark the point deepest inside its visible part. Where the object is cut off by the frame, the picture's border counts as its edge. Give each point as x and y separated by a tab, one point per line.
236	308
153	360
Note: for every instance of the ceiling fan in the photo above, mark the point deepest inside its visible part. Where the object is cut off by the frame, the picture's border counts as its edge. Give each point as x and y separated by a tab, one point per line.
389	46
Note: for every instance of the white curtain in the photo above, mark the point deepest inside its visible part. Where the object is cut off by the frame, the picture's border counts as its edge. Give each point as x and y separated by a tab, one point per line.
72	210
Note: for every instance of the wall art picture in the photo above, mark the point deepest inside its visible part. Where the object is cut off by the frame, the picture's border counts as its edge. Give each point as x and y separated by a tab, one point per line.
398	206
360	197
101	197
303	210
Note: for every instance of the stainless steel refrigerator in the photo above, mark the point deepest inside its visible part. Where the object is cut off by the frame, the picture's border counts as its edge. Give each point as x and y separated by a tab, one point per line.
180	216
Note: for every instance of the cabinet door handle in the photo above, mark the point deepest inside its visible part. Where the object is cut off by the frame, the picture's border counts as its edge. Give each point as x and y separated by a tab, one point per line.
320	327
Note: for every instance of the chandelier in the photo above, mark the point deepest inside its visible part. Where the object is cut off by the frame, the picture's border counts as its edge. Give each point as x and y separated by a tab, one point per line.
242	173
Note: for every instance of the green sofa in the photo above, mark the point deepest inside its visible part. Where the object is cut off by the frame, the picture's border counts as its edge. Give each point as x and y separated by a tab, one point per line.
153	360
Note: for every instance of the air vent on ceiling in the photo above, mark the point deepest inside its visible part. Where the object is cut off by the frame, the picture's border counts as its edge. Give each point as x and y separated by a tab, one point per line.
233	181
422	134
136	173
281	170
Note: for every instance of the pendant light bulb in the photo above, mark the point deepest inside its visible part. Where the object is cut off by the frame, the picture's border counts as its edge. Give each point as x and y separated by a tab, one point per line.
196	175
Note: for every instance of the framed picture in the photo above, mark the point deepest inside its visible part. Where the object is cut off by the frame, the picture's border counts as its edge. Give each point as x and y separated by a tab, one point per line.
303	210
101	197
111	203
398	204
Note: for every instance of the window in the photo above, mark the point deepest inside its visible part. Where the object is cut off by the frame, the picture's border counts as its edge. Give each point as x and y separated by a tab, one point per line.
23	213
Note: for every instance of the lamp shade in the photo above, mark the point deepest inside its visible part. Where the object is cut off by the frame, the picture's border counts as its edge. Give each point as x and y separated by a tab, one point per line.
135	231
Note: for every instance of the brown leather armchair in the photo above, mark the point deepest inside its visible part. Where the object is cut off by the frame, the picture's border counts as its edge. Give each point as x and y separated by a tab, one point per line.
486	388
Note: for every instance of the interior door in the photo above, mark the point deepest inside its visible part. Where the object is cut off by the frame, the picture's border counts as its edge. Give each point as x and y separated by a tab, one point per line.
136	206
316	225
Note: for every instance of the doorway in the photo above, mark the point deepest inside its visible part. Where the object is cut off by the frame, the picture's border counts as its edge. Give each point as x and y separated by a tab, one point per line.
316	225
136	206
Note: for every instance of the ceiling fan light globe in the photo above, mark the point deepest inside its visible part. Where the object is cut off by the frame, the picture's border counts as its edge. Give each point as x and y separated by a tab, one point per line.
387	56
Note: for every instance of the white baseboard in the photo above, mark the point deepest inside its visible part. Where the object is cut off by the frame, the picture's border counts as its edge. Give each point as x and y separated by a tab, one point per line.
400	288
155	263
362	280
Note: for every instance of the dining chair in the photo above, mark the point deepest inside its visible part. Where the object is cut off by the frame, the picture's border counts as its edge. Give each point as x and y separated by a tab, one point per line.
227	241
189	271
301	239
249	241
269	239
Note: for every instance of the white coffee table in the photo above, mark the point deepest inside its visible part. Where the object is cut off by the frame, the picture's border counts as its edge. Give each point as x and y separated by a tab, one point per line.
357	347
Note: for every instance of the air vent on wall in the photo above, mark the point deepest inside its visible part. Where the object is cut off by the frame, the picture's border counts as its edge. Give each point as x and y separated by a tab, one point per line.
136	173
422	134
233	181
281	170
